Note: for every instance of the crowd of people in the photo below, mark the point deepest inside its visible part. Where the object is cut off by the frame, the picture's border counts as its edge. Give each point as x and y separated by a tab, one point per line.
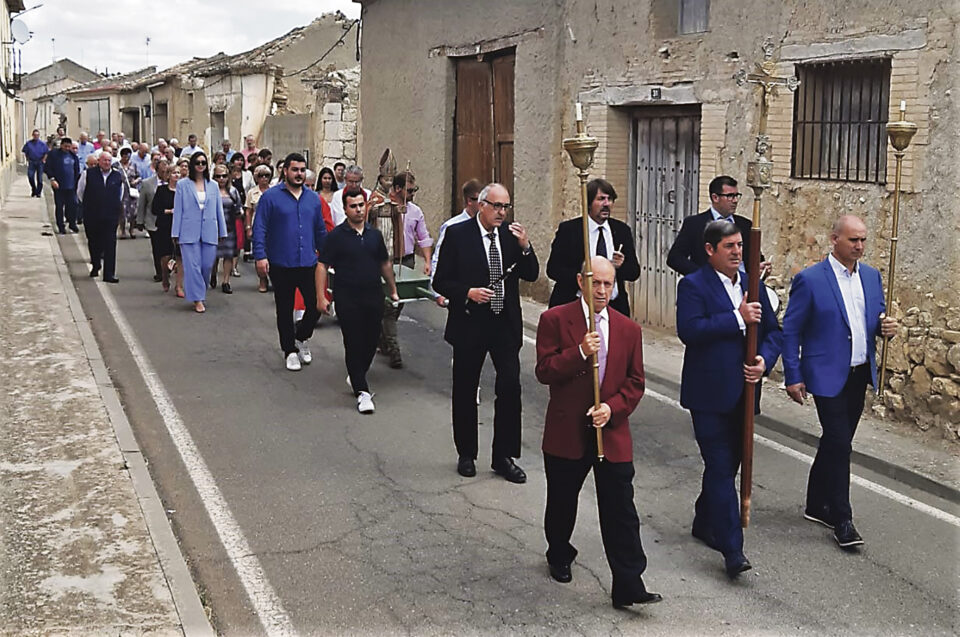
206	213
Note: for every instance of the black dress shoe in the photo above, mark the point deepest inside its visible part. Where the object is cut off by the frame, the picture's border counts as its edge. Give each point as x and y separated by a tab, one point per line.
74	228
112	279
94	273
643	597
561	572
736	564
846	535
506	468
157	278
466	467
225	287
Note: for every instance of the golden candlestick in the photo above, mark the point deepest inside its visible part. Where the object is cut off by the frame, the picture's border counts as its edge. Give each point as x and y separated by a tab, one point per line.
581	149
900	134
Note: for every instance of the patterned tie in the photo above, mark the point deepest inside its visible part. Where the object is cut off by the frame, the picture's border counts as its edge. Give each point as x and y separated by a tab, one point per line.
496	271
601	243
602	354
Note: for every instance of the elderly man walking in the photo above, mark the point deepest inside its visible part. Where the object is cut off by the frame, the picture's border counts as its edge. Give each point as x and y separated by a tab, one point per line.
35	152
102	196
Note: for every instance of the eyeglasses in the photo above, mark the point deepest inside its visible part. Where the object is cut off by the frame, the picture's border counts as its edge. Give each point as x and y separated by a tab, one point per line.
499	206
731	195
220	176
200	163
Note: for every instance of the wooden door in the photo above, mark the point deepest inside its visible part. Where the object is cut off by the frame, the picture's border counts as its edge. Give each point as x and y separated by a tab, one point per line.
483	122
667	185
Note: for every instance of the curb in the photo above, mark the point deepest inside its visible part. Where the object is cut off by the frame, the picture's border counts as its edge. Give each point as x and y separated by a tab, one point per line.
873	463
186	600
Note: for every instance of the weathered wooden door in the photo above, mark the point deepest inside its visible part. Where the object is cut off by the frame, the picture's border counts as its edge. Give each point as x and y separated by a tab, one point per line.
667	178
483	122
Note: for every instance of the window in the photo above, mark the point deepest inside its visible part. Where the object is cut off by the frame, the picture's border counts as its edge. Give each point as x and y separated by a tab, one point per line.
693	16
98	112
839	121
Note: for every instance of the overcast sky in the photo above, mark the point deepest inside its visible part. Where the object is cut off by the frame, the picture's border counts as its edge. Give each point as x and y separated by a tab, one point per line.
99	36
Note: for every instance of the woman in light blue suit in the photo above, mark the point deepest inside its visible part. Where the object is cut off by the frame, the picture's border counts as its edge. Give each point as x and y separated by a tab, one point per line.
198	225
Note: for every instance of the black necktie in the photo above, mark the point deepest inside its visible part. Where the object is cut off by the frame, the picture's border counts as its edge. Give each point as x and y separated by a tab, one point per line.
496	271
601	243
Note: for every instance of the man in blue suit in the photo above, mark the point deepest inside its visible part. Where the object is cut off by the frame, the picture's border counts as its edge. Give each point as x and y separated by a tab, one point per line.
835	314
712	318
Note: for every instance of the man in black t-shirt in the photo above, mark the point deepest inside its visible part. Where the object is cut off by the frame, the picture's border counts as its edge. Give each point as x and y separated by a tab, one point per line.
359	256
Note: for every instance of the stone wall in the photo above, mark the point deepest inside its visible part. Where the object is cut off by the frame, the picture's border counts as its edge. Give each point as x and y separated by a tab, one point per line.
336	114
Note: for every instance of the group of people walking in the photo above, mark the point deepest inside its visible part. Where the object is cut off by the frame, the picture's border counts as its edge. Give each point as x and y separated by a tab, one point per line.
308	233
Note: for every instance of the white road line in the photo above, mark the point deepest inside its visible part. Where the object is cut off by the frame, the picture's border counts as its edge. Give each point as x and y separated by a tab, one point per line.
267	605
807	459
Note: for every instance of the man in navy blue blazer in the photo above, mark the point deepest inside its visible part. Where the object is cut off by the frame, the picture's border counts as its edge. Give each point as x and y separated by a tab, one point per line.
835	313
712	318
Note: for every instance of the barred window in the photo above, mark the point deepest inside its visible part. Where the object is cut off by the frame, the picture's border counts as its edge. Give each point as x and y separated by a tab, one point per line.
839	121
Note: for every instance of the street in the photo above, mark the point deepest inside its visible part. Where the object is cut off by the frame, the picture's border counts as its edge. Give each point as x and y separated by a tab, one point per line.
297	514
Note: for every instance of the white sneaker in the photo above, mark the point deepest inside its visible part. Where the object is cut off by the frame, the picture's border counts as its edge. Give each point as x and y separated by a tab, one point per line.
293	362
305	356
365	403
235	272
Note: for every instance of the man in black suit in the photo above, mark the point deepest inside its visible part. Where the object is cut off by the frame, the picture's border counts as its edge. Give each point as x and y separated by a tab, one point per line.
609	238
687	253
101	193
479	271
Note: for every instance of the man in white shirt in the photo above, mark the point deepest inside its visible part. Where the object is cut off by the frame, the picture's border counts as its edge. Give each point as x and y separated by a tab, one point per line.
191	146
353	179
471	205
835	314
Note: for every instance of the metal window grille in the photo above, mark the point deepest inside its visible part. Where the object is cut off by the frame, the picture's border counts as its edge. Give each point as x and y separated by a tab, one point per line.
839	120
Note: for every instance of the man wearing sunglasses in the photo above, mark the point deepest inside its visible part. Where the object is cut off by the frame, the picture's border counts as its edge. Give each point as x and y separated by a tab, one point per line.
479	271
688	254
402	222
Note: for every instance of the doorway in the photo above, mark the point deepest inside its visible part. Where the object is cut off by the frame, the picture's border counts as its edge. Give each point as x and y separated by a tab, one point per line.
483	121
667	142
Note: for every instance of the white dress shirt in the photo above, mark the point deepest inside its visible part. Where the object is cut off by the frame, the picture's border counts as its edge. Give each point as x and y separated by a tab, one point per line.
851	289
487	241
463	216
735	292
595	229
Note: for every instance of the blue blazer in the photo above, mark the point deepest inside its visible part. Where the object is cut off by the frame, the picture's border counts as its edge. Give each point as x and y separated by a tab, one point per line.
712	377
816	321
55	169
193	224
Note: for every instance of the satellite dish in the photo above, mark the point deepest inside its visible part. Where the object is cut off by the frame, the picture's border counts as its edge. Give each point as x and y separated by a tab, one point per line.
20	31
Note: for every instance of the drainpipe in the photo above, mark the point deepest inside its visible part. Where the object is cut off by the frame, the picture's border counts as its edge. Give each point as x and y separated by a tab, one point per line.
23	117
153	113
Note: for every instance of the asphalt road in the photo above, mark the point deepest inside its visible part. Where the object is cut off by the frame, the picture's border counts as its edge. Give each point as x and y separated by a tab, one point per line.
361	525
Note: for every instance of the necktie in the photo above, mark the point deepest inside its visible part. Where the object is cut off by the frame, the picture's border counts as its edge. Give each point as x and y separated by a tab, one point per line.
496	271
601	243
602	354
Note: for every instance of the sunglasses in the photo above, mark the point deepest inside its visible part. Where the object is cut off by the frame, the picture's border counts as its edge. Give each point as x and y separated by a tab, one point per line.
200	163
220	176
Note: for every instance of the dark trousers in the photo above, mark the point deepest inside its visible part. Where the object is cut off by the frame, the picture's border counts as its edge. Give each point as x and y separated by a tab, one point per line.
359	315
717	510
468	361
619	522
156	247
285	283
102	242
828	490
35	177
65	207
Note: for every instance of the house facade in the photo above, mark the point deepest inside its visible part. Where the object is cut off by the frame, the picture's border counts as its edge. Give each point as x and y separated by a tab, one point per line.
468	90
43	93
9	82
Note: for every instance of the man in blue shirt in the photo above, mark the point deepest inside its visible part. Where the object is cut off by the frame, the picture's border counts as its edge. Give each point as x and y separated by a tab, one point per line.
141	159
35	151
84	148
63	169
288	232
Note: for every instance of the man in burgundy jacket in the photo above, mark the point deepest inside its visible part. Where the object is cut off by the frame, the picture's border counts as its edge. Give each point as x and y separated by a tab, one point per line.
569	446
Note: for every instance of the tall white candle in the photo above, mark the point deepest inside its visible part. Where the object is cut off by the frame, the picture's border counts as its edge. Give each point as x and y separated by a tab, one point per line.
579	110
903	105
